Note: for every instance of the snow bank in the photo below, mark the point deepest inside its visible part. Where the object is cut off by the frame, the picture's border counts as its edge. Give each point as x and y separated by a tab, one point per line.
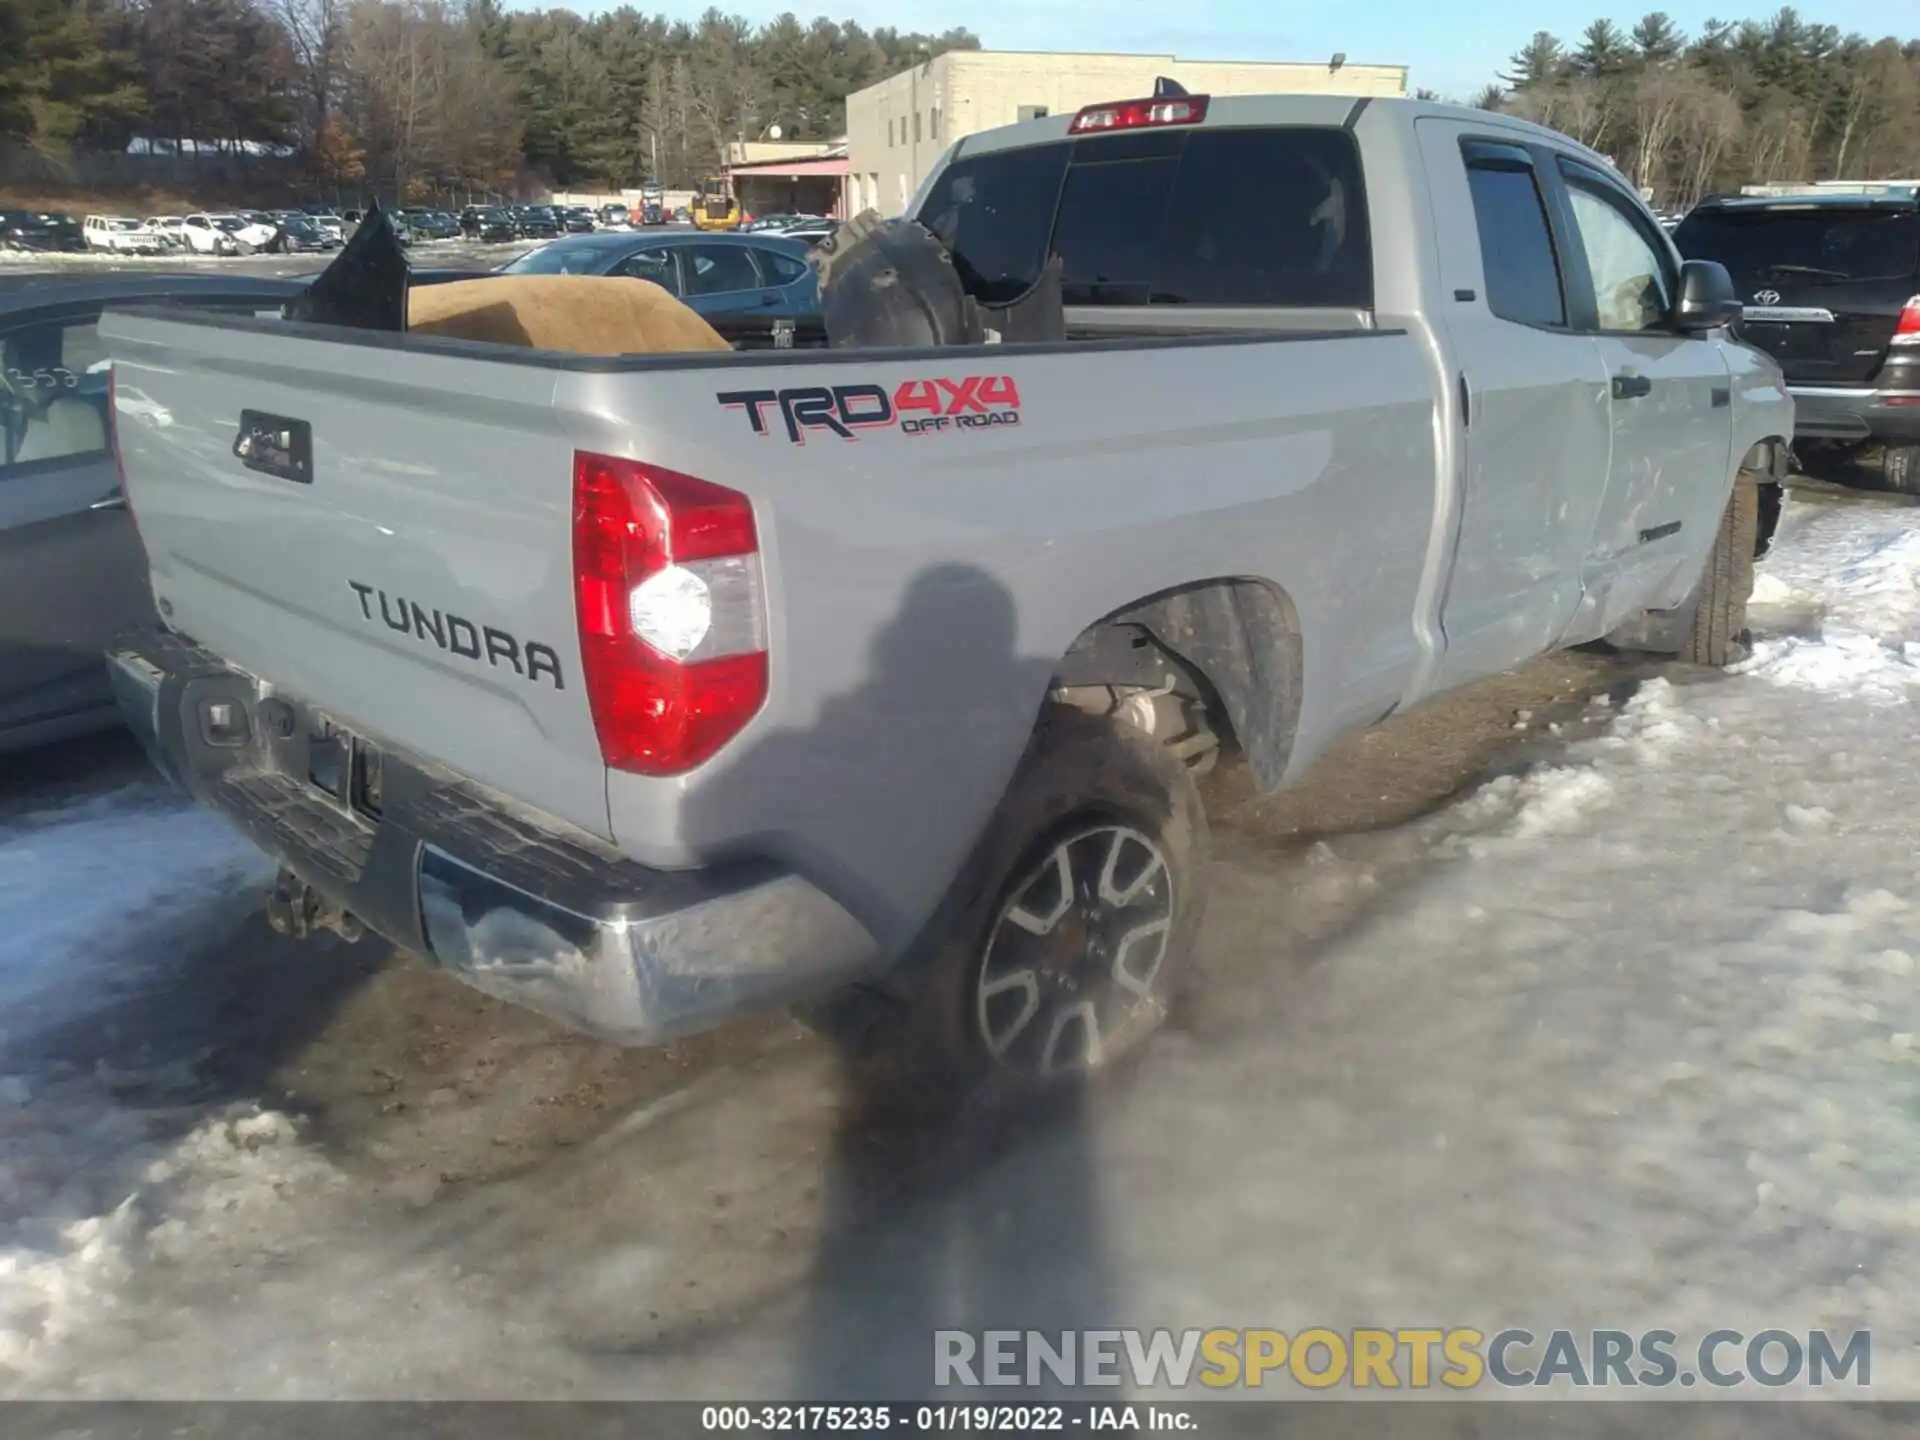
1860	565
221	1194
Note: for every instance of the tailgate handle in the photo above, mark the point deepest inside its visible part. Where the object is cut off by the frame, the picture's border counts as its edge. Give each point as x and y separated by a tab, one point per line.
275	445
1631	387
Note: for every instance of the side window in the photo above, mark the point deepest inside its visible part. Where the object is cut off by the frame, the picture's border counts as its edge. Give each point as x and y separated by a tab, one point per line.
1631	287
53	394
780	269
655	265
1516	247
718	269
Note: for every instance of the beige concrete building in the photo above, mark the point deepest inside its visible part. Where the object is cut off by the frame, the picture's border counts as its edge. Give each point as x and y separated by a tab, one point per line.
899	127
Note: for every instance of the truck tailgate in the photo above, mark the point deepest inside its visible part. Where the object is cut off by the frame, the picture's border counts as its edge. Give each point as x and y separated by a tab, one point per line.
406	566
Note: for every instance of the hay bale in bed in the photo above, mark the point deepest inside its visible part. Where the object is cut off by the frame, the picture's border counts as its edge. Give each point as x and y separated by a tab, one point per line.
581	314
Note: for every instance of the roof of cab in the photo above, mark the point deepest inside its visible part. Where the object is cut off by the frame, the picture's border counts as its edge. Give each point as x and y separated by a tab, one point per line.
1320	110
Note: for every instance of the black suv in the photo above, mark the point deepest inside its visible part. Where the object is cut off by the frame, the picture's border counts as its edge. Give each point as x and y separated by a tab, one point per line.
487	222
535	222
1831	285
40	230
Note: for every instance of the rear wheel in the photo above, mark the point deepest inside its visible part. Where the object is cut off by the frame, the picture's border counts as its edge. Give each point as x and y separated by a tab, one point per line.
1062	946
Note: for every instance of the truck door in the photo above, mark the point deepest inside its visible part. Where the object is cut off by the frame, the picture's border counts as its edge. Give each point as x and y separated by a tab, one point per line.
1669	395
1531	406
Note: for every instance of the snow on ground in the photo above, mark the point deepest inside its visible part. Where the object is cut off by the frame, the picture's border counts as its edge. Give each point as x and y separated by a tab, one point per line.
91	1184
135	858
1635	1043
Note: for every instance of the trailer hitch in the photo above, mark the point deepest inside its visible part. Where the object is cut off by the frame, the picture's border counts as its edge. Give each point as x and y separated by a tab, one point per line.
296	909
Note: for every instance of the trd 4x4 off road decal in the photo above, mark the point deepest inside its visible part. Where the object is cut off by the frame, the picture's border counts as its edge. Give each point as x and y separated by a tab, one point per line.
915	407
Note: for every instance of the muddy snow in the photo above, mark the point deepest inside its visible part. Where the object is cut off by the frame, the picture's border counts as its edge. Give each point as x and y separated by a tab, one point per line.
1622	1033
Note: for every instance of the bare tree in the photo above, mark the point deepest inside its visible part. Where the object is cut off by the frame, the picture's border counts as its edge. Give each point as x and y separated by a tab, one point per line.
1709	128
1778	140
1582	107
314	30
1655	103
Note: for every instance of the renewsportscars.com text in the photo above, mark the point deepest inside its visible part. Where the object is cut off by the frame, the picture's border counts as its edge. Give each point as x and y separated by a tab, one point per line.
1411	1359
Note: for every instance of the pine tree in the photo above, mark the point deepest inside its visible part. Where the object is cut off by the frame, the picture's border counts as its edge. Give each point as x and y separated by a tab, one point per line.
1542	61
60	77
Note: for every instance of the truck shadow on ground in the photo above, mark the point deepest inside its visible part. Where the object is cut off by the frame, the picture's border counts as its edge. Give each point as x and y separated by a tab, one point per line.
937	1212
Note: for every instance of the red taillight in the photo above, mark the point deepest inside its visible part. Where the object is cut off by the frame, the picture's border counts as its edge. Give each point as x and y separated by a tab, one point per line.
1907	332
1134	114
667	590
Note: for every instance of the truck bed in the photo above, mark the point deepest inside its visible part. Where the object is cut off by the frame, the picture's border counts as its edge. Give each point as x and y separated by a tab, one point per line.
925	566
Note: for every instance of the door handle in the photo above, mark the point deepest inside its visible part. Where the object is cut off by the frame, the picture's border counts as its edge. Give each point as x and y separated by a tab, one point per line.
116	501
1631	387
769	300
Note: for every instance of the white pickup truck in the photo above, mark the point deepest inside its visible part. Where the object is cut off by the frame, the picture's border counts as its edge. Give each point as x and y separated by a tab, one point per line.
645	689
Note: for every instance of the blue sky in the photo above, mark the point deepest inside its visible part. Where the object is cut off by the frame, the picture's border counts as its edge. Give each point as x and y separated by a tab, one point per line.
1454	49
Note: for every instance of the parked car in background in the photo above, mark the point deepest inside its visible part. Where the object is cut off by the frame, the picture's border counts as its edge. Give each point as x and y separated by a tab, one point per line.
615	216
488	223
812	231
303	233
72	575
121	234
426	223
170	230
576	219
210	234
328	219
252	228
1831	285
714	274
49	230
535	222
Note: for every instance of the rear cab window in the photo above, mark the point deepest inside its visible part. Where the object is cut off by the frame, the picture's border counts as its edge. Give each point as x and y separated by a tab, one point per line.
1268	216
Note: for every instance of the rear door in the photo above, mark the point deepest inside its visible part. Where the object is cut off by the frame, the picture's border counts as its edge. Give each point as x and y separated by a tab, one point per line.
790	288
1824	283
1670	396
1532	396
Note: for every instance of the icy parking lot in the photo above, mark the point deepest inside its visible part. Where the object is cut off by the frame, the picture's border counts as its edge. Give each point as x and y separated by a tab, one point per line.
1595	1008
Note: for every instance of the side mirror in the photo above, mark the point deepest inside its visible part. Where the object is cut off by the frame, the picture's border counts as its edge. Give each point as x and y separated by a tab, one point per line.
1707	297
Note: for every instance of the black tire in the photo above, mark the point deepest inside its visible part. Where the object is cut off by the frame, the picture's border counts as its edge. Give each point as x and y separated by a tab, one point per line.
1083	788
1716	628
1900	466
1772	498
